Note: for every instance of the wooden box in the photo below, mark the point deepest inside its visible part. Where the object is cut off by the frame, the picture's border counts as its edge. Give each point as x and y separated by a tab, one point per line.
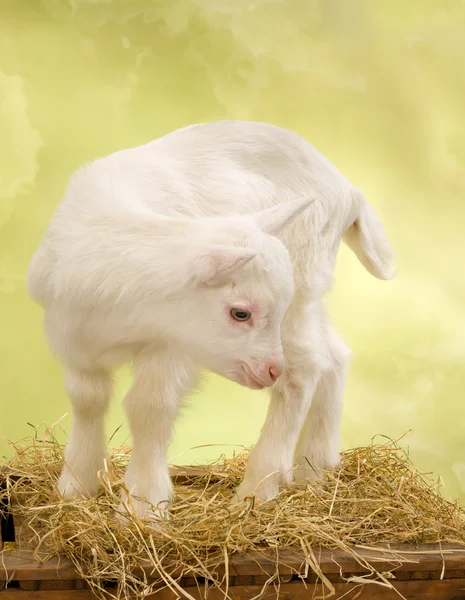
430	572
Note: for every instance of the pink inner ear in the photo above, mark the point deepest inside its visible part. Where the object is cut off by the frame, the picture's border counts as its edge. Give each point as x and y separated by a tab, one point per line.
221	261
214	266
206	267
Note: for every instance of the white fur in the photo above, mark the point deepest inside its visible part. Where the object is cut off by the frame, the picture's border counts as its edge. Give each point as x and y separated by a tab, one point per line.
143	260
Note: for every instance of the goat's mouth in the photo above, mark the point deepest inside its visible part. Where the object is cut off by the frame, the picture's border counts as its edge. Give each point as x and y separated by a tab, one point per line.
251	380
243	378
252	384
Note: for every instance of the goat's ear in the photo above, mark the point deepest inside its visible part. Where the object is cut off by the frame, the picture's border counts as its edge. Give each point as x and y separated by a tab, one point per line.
273	220
214	264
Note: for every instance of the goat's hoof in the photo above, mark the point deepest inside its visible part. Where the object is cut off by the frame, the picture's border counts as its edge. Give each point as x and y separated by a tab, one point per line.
315	470
262	492
69	487
141	511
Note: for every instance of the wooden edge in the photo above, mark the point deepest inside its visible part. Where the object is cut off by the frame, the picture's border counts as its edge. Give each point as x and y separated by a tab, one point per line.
295	590
21	565
400	557
181	474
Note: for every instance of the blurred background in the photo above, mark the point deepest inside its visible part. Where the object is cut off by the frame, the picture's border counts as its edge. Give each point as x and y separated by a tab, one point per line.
377	86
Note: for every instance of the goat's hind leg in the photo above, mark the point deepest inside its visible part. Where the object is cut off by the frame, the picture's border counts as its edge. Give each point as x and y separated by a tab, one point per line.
319	441
271	461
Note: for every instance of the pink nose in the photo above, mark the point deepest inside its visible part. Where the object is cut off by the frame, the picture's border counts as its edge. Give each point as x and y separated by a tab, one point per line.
265	373
274	370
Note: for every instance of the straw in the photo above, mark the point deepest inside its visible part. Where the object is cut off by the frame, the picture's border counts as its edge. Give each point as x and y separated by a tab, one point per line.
375	498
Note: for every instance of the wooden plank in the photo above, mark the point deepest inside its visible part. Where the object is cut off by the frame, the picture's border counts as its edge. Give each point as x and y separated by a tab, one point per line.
21	565
18	594
51	584
188	582
428	557
416	590
423	590
184	475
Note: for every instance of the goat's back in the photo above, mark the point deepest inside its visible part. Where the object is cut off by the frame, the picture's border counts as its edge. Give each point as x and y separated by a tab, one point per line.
219	168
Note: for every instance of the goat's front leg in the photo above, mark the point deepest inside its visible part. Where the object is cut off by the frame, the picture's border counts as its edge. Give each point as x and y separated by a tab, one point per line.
152	404
89	391
271	461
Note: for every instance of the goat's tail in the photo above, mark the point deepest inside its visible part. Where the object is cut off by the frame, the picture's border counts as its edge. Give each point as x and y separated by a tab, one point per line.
366	238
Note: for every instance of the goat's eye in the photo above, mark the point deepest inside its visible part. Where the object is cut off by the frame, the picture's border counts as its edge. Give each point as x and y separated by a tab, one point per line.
240	315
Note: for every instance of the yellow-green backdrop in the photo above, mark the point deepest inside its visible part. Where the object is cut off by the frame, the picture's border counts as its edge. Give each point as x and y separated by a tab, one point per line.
377	86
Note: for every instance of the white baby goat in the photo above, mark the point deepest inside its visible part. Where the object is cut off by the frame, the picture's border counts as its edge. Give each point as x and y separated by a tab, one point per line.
168	255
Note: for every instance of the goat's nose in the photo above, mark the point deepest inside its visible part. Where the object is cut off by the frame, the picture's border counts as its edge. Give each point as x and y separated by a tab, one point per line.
274	370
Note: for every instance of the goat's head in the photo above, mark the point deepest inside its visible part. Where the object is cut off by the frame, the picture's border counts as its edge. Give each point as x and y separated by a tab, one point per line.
239	286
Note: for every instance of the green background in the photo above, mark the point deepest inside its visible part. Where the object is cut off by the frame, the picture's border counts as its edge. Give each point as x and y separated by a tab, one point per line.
377	86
